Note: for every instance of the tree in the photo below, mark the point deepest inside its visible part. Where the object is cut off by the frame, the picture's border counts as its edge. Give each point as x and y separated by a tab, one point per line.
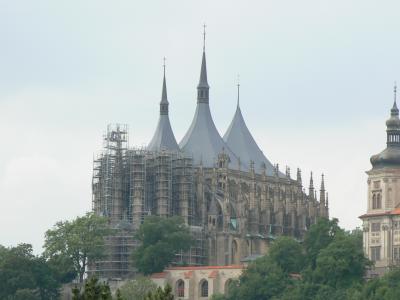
342	263
137	288
160	238
287	253
25	276
263	279
77	242
384	288
218	297
93	290
25	294
334	268
319	236
161	294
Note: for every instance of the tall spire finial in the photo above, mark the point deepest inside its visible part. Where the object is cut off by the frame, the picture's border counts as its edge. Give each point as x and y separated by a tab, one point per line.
202	87
394	111
164	59
204	36
238	89
164	99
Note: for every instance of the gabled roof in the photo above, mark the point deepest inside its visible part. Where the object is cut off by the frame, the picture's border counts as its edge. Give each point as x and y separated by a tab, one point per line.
241	142
163	138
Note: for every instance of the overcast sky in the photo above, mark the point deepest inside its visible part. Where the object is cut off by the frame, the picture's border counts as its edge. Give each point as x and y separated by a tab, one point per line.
316	89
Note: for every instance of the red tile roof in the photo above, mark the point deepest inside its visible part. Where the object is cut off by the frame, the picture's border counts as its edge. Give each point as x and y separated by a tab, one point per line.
158	275
206	267
395	211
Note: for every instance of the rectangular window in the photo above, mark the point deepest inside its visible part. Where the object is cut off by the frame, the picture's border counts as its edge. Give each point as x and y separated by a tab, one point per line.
375	227
375	253
396	253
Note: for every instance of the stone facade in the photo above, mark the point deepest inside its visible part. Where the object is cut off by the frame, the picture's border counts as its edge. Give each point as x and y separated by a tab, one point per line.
198	283
381	223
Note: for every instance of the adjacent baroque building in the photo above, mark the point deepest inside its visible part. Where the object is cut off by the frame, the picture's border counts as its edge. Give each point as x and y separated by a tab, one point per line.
381	223
234	200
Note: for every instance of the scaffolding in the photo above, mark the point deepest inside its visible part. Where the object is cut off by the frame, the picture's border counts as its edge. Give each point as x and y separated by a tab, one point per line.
108	174
128	184
137	186
117	263
183	188
197	254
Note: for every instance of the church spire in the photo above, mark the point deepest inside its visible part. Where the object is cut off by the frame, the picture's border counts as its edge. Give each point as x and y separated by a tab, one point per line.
322	191
203	87
394	111
311	187
393	124
163	138
298	177
164	99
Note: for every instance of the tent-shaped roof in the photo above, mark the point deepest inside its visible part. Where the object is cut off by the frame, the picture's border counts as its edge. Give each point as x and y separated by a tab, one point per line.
241	142
163	138
202	140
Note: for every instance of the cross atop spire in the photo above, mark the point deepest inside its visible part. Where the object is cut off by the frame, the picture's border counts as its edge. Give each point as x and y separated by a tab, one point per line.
238	89
203	87
394	111
164	59
204	37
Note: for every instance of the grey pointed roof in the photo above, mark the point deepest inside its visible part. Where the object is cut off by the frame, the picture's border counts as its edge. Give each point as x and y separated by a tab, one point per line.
163	138
241	142
202	140
203	73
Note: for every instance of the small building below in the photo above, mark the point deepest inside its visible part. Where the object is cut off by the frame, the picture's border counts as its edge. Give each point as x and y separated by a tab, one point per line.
198	283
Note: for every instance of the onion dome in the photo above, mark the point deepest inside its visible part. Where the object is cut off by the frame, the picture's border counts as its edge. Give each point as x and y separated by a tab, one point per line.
241	142
202	141
390	157
163	138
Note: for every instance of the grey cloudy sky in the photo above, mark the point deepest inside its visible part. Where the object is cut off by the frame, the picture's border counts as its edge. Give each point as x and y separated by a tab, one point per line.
316	89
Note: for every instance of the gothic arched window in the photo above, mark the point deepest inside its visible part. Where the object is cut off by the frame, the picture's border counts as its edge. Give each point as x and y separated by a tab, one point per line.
204	288
180	288
373	201
227	285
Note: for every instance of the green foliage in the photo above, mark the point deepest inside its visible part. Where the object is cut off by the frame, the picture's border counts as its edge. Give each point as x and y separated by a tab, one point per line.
385	288
74	243
263	279
287	253
218	297
342	263
161	294
328	265
25	276
137	288
119	295
26	294
93	290
160	239
319	236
